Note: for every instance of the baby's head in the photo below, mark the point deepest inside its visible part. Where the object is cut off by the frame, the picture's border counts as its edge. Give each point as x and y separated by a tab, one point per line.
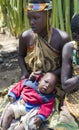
47	83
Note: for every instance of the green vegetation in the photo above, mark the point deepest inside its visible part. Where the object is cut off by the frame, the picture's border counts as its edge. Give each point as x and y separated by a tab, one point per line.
13	14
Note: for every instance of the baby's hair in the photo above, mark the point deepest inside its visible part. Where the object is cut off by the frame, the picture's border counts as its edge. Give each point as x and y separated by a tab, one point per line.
75	24
56	79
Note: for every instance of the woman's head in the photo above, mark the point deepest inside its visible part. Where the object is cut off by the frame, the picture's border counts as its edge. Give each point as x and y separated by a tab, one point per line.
75	27
47	83
39	13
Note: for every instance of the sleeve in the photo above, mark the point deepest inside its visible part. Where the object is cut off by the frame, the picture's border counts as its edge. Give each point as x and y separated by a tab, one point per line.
46	109
16	90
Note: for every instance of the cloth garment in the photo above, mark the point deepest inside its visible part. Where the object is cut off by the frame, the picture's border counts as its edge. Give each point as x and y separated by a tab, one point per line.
42	56
18	108
28	120
66	120
33	98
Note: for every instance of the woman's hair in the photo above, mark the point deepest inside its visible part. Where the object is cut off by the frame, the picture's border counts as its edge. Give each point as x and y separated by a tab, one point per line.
75	24
39	1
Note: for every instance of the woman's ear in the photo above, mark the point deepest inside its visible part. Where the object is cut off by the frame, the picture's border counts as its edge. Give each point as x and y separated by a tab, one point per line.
50	13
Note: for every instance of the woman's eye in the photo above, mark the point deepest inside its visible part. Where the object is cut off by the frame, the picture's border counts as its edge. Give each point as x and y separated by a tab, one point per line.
35	18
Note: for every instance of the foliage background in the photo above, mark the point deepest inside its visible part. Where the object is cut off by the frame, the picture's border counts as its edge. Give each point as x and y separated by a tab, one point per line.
13	14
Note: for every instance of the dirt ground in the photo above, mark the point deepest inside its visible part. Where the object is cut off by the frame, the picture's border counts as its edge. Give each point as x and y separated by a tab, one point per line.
9	67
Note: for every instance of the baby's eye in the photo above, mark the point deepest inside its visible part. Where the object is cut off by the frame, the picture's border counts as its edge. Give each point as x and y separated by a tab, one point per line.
46	81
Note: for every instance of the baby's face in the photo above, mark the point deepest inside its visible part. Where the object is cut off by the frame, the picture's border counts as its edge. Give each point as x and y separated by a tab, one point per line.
47	83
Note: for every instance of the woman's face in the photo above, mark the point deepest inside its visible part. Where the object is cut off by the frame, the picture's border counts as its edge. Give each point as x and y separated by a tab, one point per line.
38	21
47	83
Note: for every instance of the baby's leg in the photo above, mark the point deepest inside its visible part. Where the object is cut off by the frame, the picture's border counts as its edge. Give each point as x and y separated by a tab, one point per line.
7	118
20	127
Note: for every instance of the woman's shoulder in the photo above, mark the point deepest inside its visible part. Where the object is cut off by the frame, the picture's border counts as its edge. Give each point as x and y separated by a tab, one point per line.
69	44
59	38
68	48
26	38
60	31
63	34
27	33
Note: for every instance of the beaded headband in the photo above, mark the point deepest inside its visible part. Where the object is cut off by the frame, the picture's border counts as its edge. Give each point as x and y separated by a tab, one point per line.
38	6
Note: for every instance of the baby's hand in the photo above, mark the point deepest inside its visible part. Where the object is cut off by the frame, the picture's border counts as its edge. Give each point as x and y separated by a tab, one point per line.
38	121
11	99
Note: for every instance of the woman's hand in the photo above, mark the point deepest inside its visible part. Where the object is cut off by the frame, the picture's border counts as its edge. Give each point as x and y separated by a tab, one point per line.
33	75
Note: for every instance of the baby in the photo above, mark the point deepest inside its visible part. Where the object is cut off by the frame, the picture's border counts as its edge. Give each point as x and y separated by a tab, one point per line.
32	101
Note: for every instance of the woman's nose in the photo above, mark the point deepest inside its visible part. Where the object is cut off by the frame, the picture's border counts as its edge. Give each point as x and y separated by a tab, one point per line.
32	22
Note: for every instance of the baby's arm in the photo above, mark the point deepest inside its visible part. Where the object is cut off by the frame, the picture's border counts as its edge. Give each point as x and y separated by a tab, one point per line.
15	92
46	109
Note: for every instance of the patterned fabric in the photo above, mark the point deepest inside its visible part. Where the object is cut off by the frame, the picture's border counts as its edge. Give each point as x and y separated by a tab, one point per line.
42	56
75	63
66	120
39	7
72	100
72	103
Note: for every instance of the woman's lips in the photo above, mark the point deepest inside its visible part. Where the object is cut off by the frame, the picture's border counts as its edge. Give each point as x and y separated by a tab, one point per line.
34	29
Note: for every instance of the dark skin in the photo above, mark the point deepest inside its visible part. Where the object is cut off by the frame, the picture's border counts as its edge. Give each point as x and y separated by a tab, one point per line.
69	83
38	23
